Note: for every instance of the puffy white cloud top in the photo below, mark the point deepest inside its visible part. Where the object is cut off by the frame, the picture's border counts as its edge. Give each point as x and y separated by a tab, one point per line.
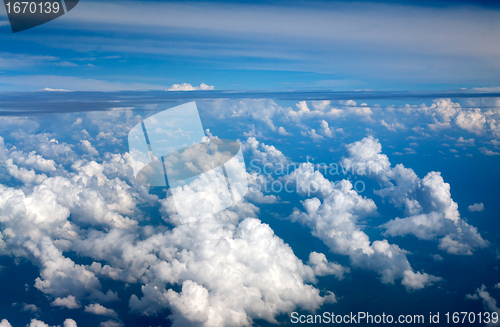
64	196
427	202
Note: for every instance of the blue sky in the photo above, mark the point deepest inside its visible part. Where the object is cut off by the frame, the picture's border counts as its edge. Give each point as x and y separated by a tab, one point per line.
242	45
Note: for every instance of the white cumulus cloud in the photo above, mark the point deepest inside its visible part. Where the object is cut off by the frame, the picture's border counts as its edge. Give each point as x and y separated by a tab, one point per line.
476	207
69	302
414	281
98	309
189	87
